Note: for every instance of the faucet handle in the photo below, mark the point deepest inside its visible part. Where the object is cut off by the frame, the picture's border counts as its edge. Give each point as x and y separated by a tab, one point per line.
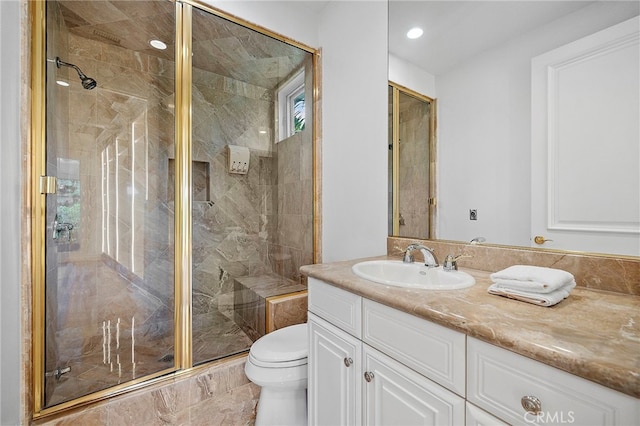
451	262
408	257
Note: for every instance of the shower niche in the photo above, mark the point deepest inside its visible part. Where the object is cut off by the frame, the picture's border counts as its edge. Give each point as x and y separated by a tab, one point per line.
200	181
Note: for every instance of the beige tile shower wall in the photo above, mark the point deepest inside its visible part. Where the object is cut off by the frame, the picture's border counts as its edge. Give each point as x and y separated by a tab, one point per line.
233	227
135	91
414	171
217	395
293	245
597	272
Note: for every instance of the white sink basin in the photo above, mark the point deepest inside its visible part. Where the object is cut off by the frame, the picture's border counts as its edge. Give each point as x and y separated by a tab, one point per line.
412	275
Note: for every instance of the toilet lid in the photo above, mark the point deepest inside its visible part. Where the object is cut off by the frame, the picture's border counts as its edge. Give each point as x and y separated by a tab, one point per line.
283	345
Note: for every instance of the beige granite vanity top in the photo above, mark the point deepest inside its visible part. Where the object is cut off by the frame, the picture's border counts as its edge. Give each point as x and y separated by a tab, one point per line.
592	334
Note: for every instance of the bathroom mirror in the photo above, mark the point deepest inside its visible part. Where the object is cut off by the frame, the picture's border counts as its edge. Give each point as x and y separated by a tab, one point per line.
477	59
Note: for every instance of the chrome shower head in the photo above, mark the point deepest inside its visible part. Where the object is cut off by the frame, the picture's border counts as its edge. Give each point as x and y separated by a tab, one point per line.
87	82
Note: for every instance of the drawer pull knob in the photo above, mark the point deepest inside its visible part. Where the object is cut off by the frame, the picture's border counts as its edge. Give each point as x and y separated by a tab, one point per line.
368	376
531	404
348	361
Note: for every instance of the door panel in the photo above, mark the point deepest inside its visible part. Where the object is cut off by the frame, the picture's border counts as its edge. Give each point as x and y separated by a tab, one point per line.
334	375
399	396
109	290
585	144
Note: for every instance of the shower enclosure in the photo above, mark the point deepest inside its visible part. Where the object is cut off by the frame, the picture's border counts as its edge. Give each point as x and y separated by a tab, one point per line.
152	245
411	163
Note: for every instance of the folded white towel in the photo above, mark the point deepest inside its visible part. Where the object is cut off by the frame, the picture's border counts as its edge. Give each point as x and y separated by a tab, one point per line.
529	286
537	279
541	299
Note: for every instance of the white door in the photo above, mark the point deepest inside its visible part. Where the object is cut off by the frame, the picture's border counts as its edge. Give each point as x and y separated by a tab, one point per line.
397	395
585	135
335	384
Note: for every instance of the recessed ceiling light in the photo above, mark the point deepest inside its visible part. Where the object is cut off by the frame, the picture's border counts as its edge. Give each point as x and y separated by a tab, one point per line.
62	83
158	44
414	33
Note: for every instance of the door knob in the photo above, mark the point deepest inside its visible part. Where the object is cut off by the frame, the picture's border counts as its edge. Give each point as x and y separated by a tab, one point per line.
539	239
368	376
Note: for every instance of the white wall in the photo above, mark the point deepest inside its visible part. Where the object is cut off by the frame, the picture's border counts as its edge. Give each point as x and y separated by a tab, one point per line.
278	16
411	76
484	130
10	162
353	37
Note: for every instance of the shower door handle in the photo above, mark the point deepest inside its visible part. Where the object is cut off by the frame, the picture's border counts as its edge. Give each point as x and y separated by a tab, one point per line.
54	227
61	228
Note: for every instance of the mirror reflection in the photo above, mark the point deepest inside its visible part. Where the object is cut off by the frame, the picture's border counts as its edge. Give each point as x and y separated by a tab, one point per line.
410	145
516	166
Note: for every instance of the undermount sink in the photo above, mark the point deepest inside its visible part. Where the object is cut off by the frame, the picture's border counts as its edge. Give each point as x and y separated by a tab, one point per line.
412	275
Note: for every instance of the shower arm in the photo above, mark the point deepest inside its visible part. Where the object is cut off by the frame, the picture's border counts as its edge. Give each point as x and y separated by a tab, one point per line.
87	82
60	63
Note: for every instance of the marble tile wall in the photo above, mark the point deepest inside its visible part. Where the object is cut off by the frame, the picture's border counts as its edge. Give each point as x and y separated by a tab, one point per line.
134	89
292	246
414	171
596	272
215	395
283	311
232	230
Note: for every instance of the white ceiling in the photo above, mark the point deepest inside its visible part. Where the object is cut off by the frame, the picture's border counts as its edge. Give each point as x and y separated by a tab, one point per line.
455	31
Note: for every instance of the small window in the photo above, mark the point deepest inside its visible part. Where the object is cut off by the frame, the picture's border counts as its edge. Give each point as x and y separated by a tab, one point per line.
291	107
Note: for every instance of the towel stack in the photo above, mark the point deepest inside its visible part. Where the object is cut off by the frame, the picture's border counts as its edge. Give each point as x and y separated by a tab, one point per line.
534	284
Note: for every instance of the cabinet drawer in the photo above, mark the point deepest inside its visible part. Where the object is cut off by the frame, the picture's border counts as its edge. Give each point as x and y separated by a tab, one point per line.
339	307
499	379
430	349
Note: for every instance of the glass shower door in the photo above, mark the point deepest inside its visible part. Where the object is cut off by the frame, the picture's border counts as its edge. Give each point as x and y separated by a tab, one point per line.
109	246
410	164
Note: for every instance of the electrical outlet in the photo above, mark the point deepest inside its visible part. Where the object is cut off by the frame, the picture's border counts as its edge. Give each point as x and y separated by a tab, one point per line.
473	214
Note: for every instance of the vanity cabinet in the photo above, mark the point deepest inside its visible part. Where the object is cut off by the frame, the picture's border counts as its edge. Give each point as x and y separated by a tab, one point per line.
373	364
379	368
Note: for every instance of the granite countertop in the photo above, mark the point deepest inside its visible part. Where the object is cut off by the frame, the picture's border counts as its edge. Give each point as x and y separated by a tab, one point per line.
592	334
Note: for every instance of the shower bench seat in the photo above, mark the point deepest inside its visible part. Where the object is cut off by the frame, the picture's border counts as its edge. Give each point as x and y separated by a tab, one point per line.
267	302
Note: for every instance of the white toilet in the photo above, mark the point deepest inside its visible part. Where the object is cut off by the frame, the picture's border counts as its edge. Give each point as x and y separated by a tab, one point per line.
278	363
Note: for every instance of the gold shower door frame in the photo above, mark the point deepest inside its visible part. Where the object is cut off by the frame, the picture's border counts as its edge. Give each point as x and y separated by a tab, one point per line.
38	185
397	89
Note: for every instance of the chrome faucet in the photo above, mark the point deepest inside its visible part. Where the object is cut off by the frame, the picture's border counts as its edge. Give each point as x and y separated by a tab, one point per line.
428	255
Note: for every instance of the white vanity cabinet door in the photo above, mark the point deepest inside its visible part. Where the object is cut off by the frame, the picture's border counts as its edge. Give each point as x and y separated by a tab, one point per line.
396	395
499	379
335	381
478	417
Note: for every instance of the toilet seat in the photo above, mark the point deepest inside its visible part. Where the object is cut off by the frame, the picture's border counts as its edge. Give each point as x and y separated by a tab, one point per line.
280	364
286	347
